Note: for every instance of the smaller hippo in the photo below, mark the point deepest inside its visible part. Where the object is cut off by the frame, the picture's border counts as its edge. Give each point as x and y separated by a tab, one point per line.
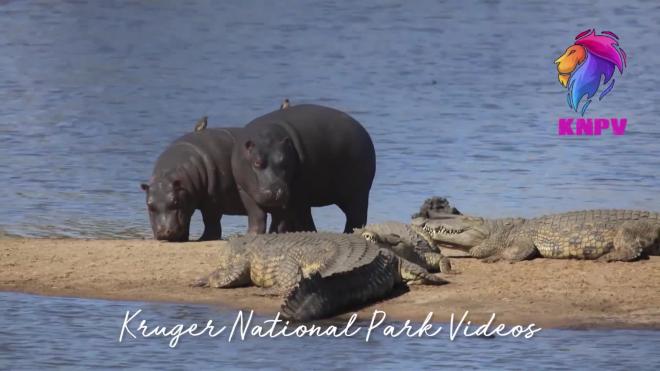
193	173
293	159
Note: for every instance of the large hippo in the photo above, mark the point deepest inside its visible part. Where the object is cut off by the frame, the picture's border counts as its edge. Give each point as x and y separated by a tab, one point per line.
307	155
193	173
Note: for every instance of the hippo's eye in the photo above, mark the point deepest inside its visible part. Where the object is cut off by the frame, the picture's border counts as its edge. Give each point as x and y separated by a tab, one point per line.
258	164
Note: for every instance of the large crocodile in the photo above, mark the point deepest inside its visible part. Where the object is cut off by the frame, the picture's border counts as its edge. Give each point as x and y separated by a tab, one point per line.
606	235
322	274
406	243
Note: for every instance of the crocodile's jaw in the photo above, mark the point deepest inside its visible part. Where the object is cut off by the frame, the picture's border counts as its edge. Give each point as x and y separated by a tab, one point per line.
455	231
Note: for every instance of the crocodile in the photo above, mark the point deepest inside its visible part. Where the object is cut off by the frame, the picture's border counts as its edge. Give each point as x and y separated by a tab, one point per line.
320	274
435	206
605	235
406	243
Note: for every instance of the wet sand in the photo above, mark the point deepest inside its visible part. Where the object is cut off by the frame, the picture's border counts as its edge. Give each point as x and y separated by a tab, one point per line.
550	293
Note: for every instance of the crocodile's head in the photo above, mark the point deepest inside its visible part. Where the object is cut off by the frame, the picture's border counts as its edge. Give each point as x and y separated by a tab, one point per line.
453	231
387	233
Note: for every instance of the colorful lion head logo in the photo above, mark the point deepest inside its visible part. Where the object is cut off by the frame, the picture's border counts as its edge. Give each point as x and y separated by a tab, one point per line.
583	63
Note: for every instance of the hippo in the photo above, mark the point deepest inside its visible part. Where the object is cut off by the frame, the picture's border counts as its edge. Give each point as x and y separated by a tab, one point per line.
193	173
292	159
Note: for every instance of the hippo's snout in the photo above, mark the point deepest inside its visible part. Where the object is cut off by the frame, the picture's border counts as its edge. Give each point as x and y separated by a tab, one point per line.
277	195
267	193
164	233
273	197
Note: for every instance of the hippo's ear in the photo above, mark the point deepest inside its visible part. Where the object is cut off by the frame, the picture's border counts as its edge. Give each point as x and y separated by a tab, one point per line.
145	187
249	145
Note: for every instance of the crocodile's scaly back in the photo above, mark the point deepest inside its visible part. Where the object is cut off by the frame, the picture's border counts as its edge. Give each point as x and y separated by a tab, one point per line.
590	234
350	252
326	253
319	297
606	217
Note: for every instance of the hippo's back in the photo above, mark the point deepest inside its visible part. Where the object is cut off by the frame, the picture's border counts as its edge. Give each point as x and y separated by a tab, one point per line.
315	125
202	160
209	144
336	151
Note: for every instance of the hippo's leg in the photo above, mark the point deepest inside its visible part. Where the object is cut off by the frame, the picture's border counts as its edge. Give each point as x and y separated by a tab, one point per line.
212	228
285	220
298	221
356	212
279	222
304	220
274	223
256	215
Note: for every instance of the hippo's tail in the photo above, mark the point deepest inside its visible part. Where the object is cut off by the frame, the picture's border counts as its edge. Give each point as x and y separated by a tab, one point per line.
317	297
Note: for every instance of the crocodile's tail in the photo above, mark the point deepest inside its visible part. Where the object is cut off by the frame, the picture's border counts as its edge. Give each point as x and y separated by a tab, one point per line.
319	297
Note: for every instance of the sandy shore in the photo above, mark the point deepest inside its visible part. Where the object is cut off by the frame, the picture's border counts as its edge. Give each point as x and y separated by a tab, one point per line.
550	293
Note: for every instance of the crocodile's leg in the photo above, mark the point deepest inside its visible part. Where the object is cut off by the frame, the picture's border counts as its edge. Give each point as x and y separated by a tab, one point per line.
631	240
413	274
436	260
485	249
280	276
234	272
519	249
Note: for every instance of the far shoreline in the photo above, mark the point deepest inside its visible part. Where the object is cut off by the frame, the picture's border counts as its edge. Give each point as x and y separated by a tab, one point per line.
550	293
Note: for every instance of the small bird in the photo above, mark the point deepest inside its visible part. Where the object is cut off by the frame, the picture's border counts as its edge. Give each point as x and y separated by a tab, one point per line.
201	123
285	104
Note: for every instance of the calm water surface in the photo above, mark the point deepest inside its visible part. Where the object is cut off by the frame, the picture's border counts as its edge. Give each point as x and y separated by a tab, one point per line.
461	99
91	93
49	332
